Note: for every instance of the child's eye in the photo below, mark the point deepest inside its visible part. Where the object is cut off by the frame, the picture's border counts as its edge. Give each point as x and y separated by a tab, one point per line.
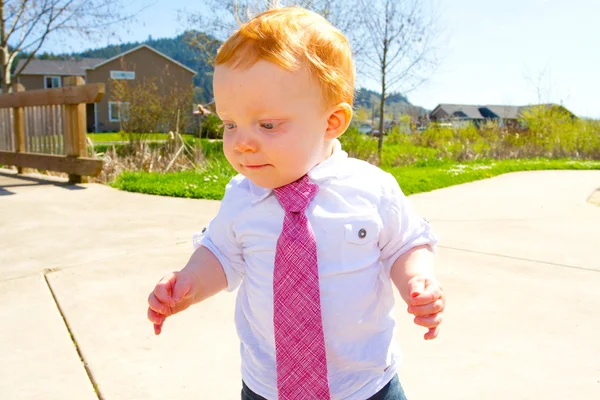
268	125
229	125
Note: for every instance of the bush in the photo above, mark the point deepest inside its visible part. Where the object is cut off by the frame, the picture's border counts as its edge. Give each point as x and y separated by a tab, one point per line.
358	145
555	132
211	127
549	132
400	150
151	110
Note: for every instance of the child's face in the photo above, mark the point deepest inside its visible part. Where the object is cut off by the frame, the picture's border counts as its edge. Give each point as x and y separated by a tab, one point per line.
275	123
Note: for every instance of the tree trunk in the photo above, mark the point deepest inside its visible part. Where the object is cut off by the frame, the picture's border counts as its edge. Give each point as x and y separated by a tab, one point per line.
383	88
4	49
372	111
5	62
381	118
382	101
6	80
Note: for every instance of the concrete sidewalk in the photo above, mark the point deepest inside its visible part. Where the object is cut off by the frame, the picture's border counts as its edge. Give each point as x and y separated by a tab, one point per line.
518	260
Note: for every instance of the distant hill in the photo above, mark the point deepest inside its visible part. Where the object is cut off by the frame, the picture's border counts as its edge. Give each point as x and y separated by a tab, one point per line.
179	49
395	103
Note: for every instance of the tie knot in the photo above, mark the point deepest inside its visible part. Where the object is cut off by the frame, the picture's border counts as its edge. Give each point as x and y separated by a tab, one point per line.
295	196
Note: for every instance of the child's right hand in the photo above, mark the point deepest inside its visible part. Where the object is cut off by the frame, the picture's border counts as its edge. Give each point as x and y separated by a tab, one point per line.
174	293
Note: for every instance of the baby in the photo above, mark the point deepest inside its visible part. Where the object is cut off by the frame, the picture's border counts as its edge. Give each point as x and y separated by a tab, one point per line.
314	240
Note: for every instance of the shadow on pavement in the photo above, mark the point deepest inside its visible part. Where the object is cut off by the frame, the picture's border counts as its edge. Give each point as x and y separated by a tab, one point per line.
4	192
12	180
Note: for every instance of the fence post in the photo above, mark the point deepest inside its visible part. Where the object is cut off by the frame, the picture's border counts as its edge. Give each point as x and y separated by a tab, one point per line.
19	126
75	128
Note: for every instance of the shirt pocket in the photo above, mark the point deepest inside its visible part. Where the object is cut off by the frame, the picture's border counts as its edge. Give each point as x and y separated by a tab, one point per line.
360	247
361	232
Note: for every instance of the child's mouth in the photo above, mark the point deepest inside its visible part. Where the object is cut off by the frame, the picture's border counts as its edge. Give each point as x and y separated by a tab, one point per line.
257	166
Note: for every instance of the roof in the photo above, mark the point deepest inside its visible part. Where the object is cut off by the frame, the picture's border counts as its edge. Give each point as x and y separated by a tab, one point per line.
506	112
138	48
463	111
58	67
460	111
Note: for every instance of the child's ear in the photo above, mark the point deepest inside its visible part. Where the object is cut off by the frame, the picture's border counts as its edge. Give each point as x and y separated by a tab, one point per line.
339	119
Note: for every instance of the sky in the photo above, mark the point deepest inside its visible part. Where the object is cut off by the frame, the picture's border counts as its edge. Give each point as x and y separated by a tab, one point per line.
512	52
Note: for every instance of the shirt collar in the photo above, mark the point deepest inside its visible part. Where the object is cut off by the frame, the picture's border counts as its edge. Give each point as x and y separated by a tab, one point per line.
319	173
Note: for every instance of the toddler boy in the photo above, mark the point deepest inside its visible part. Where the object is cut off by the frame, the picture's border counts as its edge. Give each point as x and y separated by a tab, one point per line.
312	238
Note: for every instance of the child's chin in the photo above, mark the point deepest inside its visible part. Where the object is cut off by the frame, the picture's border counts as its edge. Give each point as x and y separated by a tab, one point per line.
261	181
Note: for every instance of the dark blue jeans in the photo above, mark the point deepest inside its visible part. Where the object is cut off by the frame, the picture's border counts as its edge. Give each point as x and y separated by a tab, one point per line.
391	391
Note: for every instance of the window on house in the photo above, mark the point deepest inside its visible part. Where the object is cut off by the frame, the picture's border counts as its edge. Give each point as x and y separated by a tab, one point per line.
52	82
118	111
130	75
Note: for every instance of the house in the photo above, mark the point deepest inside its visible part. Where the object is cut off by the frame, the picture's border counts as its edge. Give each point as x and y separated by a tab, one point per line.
135	64
365	128
507	116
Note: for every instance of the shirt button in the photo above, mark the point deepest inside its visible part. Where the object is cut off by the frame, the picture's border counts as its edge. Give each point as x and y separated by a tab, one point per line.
362	233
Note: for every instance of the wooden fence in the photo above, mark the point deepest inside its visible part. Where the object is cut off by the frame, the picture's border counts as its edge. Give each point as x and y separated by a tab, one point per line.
46	129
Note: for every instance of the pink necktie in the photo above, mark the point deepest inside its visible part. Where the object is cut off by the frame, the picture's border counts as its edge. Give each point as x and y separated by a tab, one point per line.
299	341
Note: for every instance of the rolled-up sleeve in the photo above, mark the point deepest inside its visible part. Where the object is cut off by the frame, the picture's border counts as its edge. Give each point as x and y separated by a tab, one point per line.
219	238
403	229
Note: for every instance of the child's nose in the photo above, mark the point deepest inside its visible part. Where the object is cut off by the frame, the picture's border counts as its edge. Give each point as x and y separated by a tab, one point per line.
244	142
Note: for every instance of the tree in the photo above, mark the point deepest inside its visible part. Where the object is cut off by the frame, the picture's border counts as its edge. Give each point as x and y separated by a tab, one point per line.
397	48
542	83
145	108
25	25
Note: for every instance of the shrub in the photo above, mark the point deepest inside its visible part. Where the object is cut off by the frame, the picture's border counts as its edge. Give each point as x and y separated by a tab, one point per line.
212	127
151	110
358	145
554	132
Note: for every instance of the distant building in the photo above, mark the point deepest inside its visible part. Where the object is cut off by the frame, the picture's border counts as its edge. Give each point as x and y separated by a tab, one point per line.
365	128
136	64
507	116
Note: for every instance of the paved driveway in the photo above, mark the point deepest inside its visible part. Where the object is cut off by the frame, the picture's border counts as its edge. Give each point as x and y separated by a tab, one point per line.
518	259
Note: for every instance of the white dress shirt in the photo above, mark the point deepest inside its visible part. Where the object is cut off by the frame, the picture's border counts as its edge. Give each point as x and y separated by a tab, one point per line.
362	223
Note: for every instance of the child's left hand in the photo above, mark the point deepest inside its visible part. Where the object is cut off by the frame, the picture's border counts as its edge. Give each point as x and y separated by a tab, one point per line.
427	303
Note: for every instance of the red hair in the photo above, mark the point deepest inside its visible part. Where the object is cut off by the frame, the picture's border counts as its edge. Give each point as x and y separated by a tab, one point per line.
293	38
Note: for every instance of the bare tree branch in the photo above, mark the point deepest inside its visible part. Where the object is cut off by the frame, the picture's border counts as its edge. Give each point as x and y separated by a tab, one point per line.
26	25
399	33
16	18
225	16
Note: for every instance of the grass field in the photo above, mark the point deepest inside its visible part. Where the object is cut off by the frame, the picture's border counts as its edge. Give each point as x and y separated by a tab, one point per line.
210	182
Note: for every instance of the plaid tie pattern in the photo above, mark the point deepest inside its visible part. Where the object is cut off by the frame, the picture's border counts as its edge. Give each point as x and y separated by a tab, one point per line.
299	341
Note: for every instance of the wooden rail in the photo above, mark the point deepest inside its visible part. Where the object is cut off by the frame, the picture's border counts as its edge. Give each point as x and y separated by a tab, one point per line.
46	129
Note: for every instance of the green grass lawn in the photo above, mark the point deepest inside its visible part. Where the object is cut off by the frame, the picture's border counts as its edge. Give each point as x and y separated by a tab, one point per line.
121	137
210	183
424	179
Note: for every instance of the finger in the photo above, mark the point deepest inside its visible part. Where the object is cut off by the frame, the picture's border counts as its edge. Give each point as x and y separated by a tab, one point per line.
429	321
155	317
164	289
431	293
432	333
416	286
156	305
181	289
427	309
157	329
